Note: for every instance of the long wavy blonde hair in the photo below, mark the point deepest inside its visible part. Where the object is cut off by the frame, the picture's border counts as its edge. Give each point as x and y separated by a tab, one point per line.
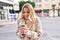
31	13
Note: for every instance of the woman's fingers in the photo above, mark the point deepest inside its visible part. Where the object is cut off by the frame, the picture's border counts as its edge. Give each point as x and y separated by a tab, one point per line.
23	30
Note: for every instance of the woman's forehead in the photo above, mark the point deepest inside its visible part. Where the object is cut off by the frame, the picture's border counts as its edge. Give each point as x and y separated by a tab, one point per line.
25	9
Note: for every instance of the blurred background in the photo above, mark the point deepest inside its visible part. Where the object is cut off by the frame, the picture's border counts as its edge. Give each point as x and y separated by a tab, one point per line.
47	10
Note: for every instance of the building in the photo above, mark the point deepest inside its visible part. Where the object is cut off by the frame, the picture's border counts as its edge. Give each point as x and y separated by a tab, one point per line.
5	5
47	7
9	10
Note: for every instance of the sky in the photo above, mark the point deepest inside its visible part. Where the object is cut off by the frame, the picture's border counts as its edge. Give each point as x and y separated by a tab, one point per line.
16	1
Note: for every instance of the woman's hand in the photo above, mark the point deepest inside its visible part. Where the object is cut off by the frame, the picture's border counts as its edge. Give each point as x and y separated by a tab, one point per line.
23	30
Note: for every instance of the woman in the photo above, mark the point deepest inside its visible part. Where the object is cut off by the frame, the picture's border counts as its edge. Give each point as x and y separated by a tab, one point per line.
29	25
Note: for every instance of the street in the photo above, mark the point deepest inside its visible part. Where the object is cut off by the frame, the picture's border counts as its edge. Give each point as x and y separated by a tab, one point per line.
50	27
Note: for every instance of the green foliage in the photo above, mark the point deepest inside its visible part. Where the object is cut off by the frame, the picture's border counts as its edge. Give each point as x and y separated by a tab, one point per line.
53	5
21	3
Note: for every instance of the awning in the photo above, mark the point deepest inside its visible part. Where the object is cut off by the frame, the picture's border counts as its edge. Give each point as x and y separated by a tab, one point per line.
5	4
38	10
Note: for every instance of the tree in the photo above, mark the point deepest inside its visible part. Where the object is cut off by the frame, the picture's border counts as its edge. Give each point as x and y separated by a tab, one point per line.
21	3
53	6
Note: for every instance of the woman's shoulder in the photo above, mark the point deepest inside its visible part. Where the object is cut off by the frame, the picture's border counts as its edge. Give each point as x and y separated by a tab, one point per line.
38	20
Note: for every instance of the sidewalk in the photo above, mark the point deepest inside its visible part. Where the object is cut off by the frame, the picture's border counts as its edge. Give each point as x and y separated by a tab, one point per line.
8	26
7	22
51	30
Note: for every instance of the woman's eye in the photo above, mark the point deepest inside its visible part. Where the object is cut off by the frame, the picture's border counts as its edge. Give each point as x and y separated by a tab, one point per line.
23	12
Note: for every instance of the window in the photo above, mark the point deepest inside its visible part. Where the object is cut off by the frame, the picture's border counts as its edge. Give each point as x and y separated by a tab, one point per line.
59	12
38	5
39	0
10	0
13	11
36	0
46	11
2	16
52	0
1	8
47	0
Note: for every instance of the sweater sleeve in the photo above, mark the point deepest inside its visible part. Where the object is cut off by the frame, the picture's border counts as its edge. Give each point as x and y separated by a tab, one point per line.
38	27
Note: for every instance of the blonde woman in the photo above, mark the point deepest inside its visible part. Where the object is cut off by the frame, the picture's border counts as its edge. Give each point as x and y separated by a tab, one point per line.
29	25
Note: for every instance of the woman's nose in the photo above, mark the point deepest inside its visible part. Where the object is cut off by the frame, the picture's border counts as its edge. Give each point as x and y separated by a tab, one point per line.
25	14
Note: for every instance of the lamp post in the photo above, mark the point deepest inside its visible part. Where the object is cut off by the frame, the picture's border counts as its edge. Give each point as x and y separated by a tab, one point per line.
58	9
53	8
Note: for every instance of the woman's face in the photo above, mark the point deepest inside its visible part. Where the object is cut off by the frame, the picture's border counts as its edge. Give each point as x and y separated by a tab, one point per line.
25	13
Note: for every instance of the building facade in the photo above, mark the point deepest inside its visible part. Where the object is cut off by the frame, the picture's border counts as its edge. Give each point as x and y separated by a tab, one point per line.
47	7
5	5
